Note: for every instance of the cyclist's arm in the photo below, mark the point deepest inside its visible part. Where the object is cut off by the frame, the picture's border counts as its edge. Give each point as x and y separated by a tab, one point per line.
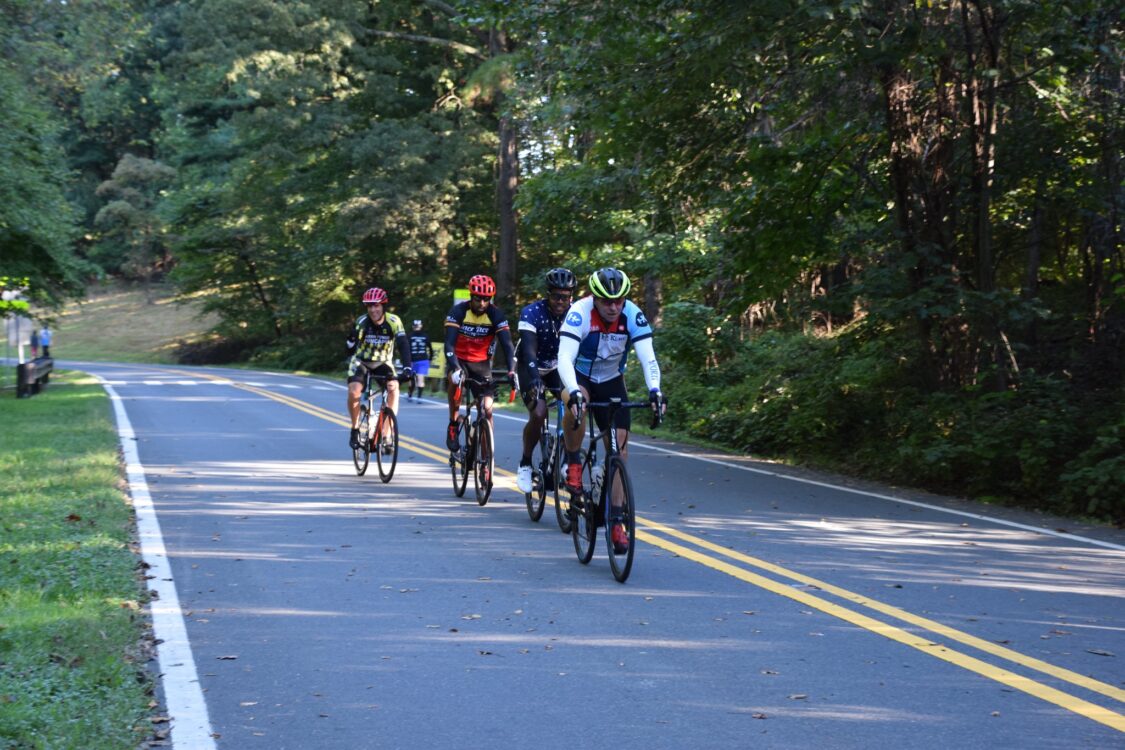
529	348
649	366
451	362
404	349
505	337
568	352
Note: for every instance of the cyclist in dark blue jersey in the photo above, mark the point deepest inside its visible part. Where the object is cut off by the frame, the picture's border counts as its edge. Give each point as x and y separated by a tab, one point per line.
537	359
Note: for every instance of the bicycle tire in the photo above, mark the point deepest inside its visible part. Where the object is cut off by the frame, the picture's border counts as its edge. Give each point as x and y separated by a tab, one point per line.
459	459
616	475
361	455
540	456
484	462
562	503
388	463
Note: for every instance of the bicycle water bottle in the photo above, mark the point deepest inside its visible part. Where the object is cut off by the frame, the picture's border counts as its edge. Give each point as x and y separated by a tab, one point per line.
596	482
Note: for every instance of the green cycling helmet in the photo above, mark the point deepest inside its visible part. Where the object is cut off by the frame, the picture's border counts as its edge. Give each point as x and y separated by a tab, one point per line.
609	283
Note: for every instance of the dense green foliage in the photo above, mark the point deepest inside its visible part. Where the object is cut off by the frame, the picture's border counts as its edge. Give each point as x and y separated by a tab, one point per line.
891	230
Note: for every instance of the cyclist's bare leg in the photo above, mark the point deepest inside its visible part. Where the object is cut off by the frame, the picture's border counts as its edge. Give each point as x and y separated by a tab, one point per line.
572	434
486	408
535	419
392	401
452	399
355	392
623	451
392	394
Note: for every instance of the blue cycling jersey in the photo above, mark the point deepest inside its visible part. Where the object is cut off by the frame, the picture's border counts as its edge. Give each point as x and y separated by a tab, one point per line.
536	320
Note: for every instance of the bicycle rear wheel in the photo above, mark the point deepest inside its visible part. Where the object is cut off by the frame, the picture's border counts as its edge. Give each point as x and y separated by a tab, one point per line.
361	453
484	463
460	458
386	435
540	473
562	503
617	482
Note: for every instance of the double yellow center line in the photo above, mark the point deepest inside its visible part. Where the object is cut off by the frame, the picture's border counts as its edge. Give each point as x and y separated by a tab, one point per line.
720	559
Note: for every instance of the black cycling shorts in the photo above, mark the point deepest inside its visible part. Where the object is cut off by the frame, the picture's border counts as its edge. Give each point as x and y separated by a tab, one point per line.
376	368
479	371
550	379
604	392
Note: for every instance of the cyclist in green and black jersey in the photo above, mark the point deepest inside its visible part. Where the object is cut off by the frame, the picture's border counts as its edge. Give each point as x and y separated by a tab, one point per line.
372	340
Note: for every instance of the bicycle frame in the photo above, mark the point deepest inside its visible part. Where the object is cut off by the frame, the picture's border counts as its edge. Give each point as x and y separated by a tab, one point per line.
608	481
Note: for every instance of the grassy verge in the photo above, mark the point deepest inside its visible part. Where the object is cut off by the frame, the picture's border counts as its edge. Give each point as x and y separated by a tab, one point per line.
123	323
71	664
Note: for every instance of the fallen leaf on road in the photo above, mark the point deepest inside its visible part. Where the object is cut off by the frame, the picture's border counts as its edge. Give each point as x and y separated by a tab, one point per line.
798	696
1100	652
759	716
226	658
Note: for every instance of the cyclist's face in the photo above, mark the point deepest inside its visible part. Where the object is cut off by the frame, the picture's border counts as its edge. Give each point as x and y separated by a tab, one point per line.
609	309
375	311
559	301
479	303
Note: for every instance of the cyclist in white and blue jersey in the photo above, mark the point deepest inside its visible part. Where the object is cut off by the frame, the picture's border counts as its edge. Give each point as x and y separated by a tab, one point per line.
593	345
537	359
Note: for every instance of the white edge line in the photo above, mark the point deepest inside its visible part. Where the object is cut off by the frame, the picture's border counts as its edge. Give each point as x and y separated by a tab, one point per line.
964	514
183	697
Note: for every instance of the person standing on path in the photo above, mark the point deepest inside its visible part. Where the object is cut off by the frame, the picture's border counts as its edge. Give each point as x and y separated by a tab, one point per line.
421	352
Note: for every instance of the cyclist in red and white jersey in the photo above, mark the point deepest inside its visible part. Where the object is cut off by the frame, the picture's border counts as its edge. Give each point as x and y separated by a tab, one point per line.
472	329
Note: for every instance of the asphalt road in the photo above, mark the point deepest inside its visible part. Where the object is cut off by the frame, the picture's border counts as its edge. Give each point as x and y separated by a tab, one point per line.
767	607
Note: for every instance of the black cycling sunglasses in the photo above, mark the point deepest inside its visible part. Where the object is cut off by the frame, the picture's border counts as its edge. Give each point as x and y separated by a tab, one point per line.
561	296
478	298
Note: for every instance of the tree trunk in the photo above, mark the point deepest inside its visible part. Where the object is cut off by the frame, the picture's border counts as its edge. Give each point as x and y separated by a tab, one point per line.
506	185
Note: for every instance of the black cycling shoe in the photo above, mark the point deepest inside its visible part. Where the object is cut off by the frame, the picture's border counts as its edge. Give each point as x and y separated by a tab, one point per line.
354	440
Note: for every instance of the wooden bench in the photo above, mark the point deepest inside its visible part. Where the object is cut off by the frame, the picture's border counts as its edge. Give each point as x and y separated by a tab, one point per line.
33	375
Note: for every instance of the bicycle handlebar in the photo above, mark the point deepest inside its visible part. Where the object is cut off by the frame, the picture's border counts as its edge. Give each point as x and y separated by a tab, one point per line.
657	417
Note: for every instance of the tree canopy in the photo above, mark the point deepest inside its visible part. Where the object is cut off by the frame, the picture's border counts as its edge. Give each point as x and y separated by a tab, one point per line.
922	199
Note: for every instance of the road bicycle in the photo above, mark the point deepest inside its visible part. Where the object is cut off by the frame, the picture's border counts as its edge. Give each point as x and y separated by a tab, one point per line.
475	451
546	464
378	436
602	485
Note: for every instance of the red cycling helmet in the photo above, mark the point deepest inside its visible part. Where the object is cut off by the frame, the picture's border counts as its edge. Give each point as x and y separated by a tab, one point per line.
482	286
375	296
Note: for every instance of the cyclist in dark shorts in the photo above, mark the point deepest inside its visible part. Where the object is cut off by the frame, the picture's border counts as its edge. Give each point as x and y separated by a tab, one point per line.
421	352
538	358
472	329
593	344
372	340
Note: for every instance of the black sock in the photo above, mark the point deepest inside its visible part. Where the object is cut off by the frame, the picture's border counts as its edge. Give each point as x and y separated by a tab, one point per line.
525	461
574	457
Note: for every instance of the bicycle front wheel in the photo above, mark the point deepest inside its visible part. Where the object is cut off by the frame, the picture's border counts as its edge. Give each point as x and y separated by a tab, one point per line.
386	444
460	458
361	453
540	472
484	463
617	485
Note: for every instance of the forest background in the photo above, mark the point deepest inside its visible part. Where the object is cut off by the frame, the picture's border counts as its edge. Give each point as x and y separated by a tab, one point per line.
882	236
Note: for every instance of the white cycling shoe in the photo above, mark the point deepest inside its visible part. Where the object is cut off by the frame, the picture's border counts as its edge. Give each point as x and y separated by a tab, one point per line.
523	479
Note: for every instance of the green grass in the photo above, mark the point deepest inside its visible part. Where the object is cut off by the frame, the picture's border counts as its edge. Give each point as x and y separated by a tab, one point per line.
122	323
72	633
